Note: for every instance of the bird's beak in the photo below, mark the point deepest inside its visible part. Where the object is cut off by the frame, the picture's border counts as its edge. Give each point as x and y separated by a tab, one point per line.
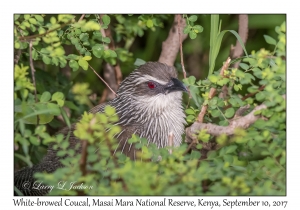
175	85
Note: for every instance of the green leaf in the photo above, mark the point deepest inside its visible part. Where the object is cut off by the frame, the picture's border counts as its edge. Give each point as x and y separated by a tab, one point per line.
46	59
106	19
213	36
191	80
230	149
236	87
62	62
215	47
26	17
16	17
75	41
215	113
73	65
192	35
33	28
270	40
213	101
260	96
229	112
244	66
190	111
223	81
71	105
186	29
34	140
87	58
45	118
190	118
53	108
193	18
45	97
195	95
149	23
58	96
139	62
84	37
106	40
98	50
65	116
198	28
213	78
109	54
55	61
109	110
83	63
73	56
39	18
32	21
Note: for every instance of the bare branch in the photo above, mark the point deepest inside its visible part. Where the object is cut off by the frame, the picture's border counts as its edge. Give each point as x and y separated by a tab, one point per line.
216	130
179	18
237	50
170	47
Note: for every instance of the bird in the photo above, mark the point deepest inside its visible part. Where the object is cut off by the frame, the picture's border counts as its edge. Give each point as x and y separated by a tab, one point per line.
148	104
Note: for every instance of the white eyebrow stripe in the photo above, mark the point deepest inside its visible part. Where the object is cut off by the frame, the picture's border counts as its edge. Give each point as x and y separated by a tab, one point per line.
147	77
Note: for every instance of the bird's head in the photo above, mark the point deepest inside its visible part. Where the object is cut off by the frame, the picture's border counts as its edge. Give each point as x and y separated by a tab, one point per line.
153	88
153	79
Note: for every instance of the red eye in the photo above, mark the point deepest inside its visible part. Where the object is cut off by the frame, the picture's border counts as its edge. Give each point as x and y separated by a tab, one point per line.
151	85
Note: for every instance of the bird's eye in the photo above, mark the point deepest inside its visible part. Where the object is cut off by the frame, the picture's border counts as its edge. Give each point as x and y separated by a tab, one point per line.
151	85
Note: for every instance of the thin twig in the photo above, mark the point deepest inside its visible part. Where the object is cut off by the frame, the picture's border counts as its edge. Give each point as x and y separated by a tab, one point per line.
26	38
33	75
111	45
212	92
179	19
83	158
248	95
103	80
189	147
170	46
171	142
81	18
32	69
17	56
113	78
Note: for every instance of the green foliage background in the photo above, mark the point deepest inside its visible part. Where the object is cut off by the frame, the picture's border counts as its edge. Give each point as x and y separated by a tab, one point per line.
251	162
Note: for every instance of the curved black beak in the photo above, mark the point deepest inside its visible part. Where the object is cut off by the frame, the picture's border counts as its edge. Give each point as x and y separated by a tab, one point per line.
175	85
